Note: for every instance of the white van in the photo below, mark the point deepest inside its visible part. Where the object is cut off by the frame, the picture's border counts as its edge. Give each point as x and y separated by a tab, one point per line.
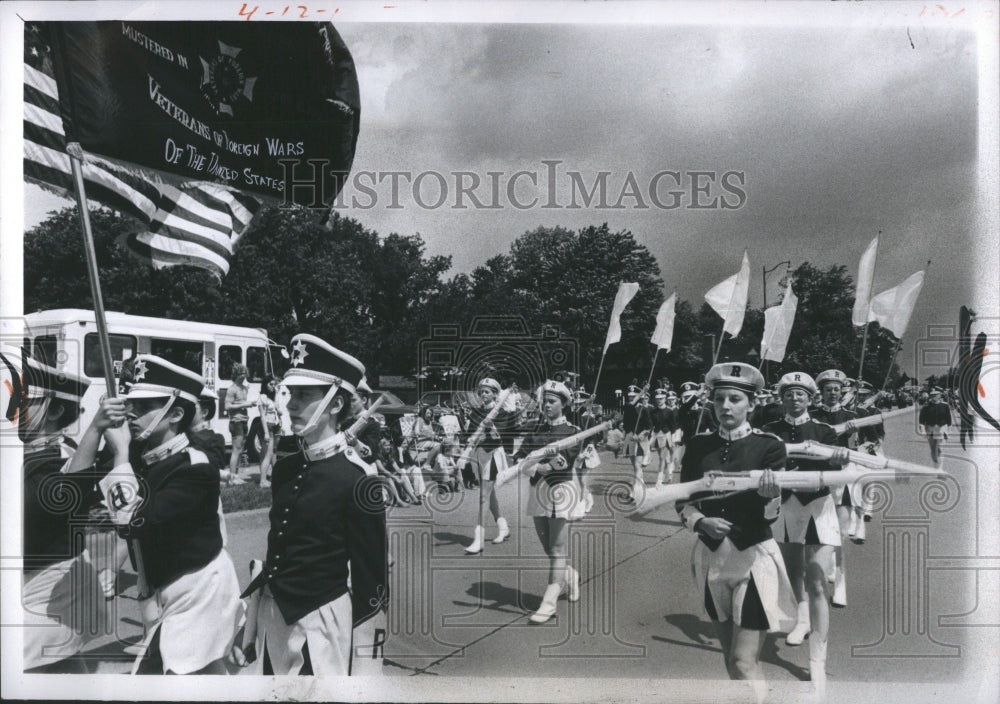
67	339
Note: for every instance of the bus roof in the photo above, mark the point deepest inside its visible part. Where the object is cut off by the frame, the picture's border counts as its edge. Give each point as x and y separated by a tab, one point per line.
65	316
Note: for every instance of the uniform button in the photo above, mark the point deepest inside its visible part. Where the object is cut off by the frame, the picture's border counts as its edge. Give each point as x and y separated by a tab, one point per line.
284	522
281	533
287	510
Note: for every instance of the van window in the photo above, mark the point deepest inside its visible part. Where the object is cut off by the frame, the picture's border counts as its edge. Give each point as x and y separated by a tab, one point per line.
183	353
278	361
255	364
122	348
228	356
45	349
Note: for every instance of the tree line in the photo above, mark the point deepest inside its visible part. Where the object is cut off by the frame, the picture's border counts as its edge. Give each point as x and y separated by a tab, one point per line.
378	296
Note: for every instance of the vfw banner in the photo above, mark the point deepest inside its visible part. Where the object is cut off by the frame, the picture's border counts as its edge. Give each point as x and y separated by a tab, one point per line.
214	101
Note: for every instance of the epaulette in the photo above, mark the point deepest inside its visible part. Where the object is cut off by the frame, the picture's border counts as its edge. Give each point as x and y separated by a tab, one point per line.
196	456
356	460
758	431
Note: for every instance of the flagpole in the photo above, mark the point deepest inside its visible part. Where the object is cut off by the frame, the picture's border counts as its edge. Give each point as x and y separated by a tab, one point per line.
76	161
864	340
715	360
75	158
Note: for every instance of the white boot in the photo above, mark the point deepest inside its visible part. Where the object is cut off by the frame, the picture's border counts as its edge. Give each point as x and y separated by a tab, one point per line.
477	543
502	530
861	533
840	589
817	665
548	608
801	630
572	584
659	479
852	524
589	499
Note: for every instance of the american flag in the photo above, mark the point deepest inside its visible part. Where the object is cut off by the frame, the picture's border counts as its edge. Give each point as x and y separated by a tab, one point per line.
197	224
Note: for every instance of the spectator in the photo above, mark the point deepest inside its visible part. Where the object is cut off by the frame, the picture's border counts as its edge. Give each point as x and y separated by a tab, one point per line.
236	406
270	420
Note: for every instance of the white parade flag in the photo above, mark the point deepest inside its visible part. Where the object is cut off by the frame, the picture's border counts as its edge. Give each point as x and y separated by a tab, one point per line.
892	308
729	298
626	292
866	276
778	326
663	336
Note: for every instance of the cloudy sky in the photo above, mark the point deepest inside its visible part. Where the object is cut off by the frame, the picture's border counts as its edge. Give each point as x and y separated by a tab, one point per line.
839	132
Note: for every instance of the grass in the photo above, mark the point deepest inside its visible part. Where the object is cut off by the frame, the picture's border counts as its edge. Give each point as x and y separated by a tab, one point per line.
244	497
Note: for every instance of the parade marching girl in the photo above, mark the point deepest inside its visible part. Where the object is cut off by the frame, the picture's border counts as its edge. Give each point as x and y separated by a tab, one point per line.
62	599
738	569
832	384
489	458
807	527
325	579
663	421
637	430
553	495
194	611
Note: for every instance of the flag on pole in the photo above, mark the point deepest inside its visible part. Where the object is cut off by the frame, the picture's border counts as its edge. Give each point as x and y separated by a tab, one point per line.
626	292
270	108
892	308
778	322
197	224
729	298
866	276
663	335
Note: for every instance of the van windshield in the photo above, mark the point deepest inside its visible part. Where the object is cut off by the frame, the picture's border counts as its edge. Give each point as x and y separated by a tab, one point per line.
122	348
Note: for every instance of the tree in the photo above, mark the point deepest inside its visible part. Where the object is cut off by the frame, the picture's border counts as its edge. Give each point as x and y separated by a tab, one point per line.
55	275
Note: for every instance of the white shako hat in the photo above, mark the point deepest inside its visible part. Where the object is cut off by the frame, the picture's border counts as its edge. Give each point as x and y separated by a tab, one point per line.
799	380
558	388
832	376
490	383
735	375
40	380
150	376
318	363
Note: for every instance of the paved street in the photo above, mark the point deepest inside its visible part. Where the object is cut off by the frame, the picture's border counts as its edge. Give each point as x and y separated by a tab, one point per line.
639	614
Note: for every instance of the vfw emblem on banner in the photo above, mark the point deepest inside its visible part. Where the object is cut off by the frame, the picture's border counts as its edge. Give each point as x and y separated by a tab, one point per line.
224	80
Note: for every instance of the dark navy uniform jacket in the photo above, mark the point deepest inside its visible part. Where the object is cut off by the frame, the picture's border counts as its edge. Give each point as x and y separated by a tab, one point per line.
56	506
809	430
177	523
709	452
636	418
327	521
543	434
841	415
505	423
212	444
663	420
935	414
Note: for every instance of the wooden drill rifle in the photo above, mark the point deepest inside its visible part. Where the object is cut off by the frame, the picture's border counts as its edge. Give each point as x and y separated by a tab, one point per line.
721	484
477	437
877	419
536	456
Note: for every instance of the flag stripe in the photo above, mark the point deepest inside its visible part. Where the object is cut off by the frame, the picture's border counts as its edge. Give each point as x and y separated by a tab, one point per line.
197	224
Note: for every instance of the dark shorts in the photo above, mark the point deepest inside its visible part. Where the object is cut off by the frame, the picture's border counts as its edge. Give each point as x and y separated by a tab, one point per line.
238	428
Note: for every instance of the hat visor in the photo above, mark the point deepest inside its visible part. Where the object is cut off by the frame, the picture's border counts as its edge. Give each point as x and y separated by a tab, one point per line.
148	393
302	380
